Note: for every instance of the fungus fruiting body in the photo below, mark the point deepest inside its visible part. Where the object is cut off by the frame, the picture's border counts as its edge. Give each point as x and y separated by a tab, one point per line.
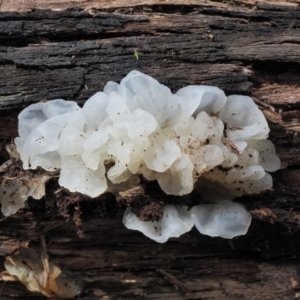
140	128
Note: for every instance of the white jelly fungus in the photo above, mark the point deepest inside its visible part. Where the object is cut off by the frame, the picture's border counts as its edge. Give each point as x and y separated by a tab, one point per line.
216	216
175	222
139	127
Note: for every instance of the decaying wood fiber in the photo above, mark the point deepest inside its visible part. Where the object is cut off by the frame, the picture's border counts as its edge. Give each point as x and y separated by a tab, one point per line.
243	48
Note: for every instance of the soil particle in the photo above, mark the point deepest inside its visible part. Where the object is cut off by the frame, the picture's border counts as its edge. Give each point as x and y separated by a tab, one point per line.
147	210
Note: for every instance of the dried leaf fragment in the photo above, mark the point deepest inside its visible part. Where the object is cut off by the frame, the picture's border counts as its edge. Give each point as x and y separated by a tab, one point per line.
15	191
28	268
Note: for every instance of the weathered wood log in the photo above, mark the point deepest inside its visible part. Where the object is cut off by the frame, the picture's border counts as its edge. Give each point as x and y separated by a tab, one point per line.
71	54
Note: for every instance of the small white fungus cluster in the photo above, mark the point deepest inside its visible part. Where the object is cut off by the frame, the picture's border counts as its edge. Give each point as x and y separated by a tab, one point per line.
138	127
216	216
222	218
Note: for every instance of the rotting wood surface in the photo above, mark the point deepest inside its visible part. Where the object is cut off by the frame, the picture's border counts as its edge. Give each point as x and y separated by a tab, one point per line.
71	54
27	5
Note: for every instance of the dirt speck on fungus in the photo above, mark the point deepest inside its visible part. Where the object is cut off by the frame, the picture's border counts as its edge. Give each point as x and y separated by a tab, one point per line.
148	210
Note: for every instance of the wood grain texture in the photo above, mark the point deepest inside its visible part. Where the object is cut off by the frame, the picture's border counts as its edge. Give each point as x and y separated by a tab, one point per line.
57	5
72	53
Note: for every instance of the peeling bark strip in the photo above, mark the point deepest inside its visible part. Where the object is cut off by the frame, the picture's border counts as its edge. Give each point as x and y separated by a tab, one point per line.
71	54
